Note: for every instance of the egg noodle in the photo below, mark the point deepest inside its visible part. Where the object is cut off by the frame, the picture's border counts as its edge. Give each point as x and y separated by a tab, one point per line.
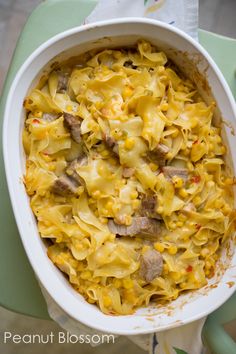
126	177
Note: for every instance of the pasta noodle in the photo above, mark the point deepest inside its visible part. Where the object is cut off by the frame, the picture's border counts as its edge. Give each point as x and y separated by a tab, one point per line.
126	176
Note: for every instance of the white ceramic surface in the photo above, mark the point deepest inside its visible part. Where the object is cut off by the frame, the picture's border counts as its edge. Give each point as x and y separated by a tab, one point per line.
118	32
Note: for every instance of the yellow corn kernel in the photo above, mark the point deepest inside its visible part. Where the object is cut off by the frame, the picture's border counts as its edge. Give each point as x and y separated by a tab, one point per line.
210	184
169	155
38	114
136	203
105	69
179	223
109	205
117	283
160	69
128	220
86	275
197	200
107	301
210	147
145	248
178	182
98	104
160	210
104	212
165	268
130	296
172	250
96	194
218	139
223	149
183	285
133	194
194	123
190	166
226	209
228	181
208	265
153	166
218	203
204	252
69	108
159	247
127	92
80	190
116	207
52	167
175	276
129	143
182	217
172	225
164	107
105	153
103	220
111	237
183	193
128	283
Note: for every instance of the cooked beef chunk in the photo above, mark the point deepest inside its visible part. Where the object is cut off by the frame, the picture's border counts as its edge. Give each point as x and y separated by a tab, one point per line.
110	143
128	172
171	171
71	169
73	124
64	185
151	265
158	155
49	117
62	82
148	207
68	183
140	225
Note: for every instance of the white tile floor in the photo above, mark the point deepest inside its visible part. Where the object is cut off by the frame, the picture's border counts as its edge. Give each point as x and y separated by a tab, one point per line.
214	15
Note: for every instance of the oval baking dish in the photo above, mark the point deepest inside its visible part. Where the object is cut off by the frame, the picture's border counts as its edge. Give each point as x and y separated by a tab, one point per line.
198	66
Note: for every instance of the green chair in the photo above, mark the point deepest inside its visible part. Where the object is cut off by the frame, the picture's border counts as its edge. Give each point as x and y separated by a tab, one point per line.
20	291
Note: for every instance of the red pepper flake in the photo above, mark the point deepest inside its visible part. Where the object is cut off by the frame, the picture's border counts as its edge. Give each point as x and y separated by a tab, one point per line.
46	153
196	179
189	269
196	142
198	226
36	121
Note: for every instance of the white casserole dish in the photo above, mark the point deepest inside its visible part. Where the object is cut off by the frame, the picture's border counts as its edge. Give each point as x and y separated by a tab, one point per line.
191	58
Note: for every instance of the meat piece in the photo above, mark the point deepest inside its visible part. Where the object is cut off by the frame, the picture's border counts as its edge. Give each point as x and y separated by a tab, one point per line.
151	265
148	207
128	172
68	183
64	185
71	169
49	117
62	82
73	124
140	225
171	171
158	155
111	143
